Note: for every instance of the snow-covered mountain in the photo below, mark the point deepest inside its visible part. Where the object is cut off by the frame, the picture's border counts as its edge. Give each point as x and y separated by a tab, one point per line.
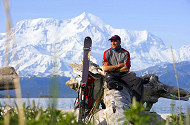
45	45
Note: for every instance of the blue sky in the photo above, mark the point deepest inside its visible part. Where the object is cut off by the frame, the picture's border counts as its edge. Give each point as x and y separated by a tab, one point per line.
167	19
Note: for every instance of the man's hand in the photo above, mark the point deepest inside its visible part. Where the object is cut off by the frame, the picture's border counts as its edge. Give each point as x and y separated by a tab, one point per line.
106	64
123	69
107	67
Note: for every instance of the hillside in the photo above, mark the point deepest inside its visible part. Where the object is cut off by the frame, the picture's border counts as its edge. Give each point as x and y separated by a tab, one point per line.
166	74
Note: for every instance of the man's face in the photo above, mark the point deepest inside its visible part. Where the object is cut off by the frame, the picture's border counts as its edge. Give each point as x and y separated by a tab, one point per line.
115	44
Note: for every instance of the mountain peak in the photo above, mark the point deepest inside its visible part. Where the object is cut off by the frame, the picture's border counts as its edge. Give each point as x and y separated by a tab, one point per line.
88	17
84	14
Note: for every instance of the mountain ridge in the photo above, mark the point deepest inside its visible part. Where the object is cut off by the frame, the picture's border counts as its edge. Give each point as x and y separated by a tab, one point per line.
47	46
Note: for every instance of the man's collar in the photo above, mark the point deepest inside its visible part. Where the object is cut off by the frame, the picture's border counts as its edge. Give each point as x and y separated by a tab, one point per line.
116	50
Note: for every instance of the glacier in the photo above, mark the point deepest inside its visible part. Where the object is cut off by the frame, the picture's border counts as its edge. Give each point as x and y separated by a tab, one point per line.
46	46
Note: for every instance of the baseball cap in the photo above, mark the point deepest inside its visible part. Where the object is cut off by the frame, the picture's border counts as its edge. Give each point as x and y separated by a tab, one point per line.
115	37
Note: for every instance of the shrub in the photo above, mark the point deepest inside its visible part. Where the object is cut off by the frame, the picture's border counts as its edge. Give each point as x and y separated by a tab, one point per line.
138	115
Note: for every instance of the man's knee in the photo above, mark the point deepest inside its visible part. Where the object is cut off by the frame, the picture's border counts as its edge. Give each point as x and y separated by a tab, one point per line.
112	83
109	78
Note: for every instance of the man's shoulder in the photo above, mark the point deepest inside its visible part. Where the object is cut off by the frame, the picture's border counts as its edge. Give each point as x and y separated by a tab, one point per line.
124	50
107	50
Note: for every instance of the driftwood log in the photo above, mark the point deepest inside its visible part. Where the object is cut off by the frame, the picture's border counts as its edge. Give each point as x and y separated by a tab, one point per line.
116	101
8	78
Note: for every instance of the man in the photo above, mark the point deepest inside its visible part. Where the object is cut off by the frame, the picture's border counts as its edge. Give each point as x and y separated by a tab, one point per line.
116	64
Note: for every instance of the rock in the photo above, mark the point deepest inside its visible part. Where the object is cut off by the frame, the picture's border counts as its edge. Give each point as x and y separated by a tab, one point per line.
8	78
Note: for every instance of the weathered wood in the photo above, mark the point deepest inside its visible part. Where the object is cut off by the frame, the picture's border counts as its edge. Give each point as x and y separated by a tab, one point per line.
8	76
155	89
116	101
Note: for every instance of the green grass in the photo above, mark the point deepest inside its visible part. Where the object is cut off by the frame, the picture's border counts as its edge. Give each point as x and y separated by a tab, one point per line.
38	116
34	115
137	115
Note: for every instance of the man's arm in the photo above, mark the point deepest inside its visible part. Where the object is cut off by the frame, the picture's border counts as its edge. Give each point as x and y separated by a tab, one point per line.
123	69
107	67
